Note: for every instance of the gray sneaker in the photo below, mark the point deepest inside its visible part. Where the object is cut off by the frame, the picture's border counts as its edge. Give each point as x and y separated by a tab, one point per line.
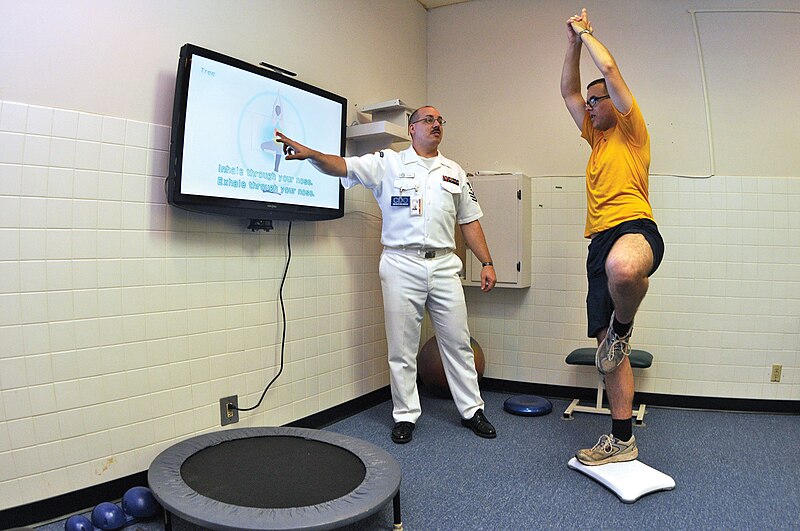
609	449
612	349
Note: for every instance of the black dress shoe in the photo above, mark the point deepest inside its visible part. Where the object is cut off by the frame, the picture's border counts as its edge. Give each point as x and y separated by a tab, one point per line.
403	432
480	425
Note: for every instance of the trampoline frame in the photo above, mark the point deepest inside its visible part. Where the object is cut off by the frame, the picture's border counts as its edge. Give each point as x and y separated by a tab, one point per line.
381	483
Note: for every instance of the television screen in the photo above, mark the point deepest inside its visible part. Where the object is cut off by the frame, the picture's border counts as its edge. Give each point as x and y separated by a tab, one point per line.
223	154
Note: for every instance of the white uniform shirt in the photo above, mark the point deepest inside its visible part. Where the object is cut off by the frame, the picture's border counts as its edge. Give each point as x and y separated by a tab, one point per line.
399	180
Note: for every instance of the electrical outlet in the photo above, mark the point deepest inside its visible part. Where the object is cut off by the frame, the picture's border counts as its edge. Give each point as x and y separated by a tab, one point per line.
776	373
228	414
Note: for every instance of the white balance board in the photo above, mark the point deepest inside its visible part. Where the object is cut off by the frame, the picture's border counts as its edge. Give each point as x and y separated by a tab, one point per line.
629	480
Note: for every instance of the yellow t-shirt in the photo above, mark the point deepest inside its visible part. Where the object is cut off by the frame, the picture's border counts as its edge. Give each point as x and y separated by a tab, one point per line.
617	173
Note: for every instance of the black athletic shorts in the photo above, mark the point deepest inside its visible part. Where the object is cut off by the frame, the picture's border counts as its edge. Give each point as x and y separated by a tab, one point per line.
598	302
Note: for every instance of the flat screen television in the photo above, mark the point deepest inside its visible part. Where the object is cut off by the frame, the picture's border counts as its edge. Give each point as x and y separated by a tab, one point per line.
223	154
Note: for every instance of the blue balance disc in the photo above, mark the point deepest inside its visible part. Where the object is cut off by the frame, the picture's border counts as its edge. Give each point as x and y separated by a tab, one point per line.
528	405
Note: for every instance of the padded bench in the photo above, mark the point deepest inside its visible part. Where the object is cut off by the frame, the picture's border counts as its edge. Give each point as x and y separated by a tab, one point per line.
639	359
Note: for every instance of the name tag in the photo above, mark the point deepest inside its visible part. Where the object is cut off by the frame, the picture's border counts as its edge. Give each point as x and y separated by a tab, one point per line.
401	200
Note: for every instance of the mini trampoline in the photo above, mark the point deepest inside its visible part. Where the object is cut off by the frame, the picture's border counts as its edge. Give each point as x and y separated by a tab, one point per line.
273	478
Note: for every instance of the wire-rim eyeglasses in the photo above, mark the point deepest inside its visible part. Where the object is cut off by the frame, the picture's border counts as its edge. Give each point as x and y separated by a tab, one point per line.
430	119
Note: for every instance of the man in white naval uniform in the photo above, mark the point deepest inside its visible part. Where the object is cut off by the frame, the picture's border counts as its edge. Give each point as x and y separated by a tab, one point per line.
422	195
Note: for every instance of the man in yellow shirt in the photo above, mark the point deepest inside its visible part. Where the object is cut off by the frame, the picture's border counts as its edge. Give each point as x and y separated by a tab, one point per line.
626	247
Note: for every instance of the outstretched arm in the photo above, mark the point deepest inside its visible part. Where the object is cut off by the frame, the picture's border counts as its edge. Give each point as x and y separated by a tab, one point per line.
476	241
328	164
571	76
620	94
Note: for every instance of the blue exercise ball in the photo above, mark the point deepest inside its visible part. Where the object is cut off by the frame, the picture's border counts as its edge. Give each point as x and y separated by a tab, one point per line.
107	516
78	523
139	502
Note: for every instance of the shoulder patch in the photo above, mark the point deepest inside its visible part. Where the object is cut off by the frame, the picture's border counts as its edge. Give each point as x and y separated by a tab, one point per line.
472	192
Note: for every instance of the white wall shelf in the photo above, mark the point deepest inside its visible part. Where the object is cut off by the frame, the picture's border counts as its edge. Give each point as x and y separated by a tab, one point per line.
389	124
378	131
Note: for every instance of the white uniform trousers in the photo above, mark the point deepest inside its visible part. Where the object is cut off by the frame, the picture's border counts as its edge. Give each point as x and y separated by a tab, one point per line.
410	283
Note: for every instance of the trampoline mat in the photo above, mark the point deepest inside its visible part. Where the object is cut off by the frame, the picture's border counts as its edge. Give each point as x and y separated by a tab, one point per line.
273	472
272	478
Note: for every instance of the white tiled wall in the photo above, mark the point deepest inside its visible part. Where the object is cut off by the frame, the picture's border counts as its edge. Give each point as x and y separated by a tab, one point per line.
123	320
723	307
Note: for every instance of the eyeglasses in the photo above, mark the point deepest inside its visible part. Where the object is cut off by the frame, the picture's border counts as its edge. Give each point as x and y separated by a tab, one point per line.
591	102
430	119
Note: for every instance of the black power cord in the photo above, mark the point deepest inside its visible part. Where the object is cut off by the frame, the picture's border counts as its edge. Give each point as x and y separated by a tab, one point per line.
283	314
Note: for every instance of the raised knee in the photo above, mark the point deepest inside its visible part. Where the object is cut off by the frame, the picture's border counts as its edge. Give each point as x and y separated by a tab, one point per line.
625	274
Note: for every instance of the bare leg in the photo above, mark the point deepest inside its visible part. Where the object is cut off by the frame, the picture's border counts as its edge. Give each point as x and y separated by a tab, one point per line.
619	388
627	266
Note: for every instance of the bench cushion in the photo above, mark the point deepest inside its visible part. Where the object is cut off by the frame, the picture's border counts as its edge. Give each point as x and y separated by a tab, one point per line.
640	359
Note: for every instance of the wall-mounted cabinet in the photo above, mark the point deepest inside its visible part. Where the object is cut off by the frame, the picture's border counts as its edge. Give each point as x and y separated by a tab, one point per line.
506	203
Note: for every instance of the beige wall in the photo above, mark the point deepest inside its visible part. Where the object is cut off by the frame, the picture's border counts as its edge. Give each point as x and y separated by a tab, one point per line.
120	58
494	67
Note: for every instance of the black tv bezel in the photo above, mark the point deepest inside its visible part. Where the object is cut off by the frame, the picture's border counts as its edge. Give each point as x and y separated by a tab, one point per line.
241	208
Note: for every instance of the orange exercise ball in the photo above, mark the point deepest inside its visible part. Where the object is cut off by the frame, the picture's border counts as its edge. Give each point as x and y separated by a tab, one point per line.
430	370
